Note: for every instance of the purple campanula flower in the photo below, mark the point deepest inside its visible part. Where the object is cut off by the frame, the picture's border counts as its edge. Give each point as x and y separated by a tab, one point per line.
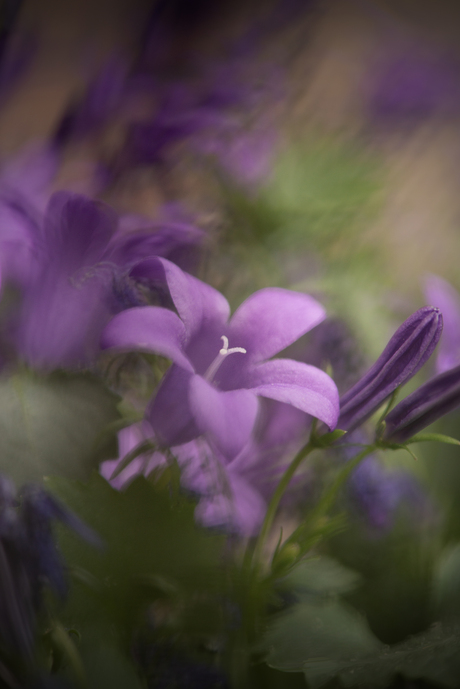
447	299
406	352
24	188
233	493
219	367
63	304
75	272
428	403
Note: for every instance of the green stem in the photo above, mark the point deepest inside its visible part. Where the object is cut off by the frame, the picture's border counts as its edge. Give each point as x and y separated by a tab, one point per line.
329	497
276	498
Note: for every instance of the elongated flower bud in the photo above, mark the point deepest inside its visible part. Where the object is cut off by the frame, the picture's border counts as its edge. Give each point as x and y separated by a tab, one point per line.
431	401
407	351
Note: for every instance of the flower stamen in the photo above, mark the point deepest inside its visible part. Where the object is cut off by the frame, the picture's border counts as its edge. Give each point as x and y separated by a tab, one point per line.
223	353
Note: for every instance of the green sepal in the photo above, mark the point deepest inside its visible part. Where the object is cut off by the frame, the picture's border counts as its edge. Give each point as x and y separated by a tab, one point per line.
436	437
328	439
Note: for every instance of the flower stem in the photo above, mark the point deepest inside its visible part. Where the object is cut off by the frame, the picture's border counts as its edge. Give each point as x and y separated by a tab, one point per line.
276	498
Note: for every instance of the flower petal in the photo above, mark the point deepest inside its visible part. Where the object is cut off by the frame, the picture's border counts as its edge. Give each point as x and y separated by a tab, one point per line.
441	294
305	387
169	413
76	230
196	302
228	417
148	329
271	319
242	511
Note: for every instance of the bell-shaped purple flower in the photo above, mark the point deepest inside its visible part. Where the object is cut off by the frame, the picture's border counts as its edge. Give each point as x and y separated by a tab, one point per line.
73	266
220	367
63	303
428	403
407	351
233	493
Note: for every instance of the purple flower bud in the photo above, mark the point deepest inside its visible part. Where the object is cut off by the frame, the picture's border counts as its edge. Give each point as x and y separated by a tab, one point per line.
407	351
424	406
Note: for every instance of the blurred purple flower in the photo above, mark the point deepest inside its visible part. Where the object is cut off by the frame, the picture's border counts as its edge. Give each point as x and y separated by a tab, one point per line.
441	294
100	102
406	352
414	86
332	344
63	306
77	274
24	189
29	559
220	368
377	493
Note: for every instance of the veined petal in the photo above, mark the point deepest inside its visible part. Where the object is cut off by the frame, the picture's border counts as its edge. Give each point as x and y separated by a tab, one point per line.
305	387
196	302
148	329
228	417
76	230
271	319
169	413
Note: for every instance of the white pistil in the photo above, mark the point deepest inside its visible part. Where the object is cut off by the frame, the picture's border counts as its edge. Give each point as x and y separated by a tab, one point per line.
223	353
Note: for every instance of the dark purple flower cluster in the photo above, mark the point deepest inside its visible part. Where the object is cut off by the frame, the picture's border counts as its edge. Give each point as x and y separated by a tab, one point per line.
29	559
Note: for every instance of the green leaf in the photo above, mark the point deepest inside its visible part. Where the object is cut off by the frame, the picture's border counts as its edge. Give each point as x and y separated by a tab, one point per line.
53	424
436	437
327	639
318	639
321	576
433	656
446	587
150	537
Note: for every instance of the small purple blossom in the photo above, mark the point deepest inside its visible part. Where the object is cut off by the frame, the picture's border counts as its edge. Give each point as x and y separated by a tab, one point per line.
428	403
376	494
406	352
219	367
447	299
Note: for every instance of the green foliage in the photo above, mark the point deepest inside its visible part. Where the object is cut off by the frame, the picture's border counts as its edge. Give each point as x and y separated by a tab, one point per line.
54	424
446	588
321	189
319	633
328	639
432	655
154	554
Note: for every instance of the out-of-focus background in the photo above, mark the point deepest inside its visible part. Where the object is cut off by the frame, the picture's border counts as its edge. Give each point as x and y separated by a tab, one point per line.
361	99
315	142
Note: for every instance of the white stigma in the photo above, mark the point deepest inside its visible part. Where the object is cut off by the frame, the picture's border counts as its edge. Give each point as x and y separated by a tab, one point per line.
223	353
